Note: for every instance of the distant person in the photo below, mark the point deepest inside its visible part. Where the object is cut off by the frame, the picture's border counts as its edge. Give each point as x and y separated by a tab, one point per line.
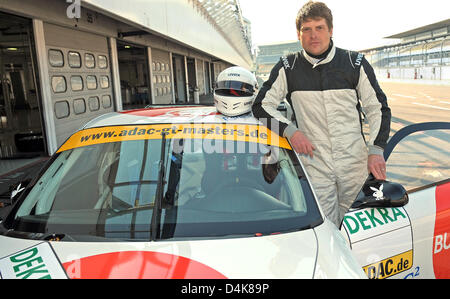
327	87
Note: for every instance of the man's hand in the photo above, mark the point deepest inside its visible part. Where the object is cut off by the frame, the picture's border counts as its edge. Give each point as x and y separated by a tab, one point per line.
377	166
301	144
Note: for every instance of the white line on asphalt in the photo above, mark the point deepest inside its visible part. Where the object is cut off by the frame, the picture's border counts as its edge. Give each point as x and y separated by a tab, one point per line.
444	102
431	106
427	96
404	96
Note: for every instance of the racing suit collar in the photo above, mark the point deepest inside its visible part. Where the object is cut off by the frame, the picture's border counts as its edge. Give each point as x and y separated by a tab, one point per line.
315	62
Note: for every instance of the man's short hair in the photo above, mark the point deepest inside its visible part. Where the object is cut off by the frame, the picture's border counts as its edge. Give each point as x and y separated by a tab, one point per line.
314	10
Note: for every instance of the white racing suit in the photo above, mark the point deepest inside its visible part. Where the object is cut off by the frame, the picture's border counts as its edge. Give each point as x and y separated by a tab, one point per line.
326	98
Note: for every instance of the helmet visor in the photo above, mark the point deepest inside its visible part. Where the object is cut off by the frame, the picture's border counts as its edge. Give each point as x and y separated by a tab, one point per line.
235	88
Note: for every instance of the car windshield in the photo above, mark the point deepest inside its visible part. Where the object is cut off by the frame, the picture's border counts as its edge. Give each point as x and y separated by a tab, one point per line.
211	188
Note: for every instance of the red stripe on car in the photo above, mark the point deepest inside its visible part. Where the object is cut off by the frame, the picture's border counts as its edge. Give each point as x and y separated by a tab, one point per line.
138	264
441	241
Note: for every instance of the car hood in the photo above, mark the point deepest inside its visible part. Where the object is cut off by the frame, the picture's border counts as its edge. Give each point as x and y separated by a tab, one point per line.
287	255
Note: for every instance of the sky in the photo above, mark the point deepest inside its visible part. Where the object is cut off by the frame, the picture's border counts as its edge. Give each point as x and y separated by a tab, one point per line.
358	24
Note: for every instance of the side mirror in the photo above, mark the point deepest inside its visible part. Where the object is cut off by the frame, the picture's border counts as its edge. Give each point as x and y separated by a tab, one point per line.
378	194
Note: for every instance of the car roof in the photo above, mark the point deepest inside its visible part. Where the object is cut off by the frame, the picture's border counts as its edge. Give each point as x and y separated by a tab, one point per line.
168	114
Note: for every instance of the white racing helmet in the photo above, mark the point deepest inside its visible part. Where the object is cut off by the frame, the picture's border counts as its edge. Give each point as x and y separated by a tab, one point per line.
235	91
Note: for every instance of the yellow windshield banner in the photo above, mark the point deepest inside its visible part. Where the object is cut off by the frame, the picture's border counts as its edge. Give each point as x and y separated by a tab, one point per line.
233	132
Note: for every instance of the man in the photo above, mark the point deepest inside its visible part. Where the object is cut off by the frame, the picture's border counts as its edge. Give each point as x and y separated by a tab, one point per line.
326	87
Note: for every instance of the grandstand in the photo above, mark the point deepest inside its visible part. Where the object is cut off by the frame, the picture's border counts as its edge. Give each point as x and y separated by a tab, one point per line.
269	54
422	53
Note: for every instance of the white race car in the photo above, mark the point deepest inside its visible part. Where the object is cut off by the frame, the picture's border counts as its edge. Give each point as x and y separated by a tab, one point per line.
189	193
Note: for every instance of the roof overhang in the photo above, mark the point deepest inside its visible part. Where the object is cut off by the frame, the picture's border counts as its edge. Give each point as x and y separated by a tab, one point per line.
422	29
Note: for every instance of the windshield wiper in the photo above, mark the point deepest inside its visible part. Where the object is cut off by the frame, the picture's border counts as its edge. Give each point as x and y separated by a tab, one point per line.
156	215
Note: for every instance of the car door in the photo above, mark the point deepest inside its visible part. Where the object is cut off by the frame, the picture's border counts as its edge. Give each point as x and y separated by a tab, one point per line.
413	240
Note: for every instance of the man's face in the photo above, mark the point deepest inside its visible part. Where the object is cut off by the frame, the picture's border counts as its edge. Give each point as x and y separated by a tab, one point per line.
314	35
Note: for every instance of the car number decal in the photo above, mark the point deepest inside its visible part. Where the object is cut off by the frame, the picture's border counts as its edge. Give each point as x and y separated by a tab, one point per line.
233	132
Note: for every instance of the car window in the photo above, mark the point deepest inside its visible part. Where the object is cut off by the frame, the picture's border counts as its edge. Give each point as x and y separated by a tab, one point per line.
212	188
420	159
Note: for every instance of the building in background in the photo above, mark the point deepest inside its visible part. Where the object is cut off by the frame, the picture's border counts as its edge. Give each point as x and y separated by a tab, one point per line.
63	63
268	55
248	31
422	53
